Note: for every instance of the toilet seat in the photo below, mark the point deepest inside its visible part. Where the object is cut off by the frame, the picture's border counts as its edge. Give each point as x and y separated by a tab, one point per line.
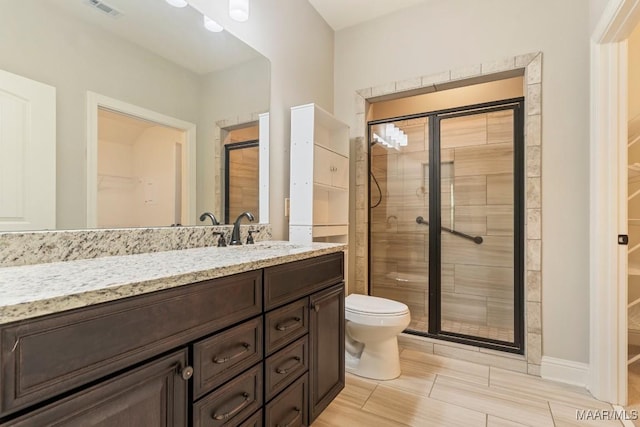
366	305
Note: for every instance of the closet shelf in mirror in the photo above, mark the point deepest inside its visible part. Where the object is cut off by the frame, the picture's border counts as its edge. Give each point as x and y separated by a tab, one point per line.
634	171
634	221
633	353
108	181
633	291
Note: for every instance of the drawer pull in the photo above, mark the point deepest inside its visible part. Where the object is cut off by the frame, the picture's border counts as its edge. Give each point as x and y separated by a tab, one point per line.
284	326
225	359
290	423
245	402
289	368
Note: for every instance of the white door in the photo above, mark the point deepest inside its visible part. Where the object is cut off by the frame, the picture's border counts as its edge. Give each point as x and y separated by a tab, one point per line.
27	154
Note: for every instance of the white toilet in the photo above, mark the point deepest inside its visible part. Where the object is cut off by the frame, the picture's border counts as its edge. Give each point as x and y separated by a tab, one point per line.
372	328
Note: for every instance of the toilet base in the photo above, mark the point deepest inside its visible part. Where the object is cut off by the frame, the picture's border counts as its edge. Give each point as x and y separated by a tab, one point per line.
380	360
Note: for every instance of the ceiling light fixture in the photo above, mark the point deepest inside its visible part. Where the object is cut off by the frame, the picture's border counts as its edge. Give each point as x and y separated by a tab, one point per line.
212	25
177	3
239	10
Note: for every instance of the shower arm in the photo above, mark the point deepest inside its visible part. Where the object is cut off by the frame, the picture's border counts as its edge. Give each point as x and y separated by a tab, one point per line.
476	239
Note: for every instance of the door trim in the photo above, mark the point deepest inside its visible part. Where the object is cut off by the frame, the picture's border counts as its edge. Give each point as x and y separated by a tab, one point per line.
608	205
227	150
95	101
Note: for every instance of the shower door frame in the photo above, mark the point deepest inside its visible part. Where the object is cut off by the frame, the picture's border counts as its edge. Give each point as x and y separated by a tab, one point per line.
434	262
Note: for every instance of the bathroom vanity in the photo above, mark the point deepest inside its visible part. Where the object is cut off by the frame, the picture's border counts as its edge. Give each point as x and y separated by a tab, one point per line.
246	336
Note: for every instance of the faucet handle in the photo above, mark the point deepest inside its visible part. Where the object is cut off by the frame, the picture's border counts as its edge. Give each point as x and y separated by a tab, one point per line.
221	240
250	237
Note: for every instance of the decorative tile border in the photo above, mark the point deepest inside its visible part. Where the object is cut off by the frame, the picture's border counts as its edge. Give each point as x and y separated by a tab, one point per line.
532	65
36	247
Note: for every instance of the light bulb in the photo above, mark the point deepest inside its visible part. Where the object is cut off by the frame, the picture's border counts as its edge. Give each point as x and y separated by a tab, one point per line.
239	10
177	3
212	25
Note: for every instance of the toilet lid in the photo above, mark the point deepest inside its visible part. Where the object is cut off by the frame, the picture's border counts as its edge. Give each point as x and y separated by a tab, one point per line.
365	304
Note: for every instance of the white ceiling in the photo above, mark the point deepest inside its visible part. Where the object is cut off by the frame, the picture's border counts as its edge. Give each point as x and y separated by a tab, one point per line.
341	14
177	34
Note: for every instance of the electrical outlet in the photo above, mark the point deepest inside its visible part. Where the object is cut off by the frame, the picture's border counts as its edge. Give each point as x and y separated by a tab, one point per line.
286	206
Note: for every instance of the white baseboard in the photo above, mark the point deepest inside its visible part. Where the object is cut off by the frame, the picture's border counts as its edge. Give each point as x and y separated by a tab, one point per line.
565	371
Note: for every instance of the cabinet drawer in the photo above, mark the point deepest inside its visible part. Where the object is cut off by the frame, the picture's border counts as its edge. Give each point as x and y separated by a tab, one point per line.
232	403
289	408
221	357
254	420
44	357
154	394
288	282
286	324
285	366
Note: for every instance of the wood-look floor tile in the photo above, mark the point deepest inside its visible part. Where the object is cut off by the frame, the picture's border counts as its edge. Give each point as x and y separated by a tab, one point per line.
535	387
453	368
501	422
356	391
566	415
415	378
497	402
339	414
414	410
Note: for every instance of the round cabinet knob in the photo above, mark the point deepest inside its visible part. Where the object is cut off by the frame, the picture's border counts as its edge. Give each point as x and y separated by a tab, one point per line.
316	307
186	373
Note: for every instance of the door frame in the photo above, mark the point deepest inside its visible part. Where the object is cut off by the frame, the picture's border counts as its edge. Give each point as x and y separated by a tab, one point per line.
227	149
96	101
608	204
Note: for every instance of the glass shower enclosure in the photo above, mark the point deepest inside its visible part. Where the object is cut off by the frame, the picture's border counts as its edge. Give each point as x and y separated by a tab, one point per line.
446	221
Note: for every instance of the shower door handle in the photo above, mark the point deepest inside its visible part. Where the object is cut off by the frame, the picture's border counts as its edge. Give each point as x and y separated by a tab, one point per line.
475	239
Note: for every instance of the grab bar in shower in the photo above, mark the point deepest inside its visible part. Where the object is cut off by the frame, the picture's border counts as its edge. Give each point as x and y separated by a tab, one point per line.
476	239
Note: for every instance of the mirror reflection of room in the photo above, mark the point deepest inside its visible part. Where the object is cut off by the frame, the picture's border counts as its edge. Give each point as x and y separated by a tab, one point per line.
241	172
140	169
150	55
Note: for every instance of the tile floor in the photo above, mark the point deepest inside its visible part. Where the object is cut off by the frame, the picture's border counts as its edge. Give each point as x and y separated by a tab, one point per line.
437	391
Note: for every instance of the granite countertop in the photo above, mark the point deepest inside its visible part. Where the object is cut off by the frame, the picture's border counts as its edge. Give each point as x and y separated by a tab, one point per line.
36	290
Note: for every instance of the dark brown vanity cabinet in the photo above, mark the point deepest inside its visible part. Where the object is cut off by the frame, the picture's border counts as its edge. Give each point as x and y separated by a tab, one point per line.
304	339
264	347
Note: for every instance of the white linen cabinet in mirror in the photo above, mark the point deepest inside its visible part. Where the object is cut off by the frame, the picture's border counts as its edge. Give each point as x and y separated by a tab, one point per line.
319	185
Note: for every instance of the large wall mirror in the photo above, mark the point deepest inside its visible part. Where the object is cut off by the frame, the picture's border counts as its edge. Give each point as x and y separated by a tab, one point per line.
141	88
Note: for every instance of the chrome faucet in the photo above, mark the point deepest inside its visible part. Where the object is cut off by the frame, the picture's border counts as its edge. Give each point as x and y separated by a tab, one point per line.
235	235
210	216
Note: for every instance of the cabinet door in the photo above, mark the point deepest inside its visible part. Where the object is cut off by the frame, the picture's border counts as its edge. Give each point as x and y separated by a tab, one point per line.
322	165
326	361
340	175
152	395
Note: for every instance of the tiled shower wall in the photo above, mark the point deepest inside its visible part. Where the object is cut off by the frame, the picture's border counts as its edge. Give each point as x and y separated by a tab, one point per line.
532	66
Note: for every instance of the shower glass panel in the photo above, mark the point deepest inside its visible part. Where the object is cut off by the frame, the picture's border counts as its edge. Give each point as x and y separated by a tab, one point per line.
399	193
446	221
477	225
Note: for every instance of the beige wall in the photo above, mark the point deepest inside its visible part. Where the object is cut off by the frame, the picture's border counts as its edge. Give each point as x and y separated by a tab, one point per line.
596	7
438	36
299	45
